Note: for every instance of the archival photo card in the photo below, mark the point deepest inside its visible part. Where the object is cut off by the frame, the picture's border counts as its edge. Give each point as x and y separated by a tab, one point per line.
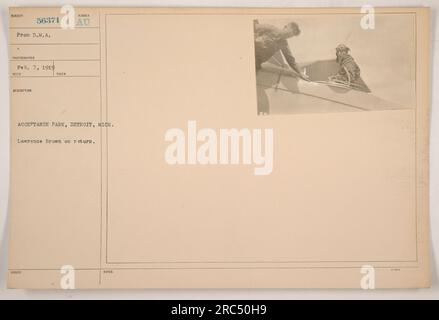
219	148
335	63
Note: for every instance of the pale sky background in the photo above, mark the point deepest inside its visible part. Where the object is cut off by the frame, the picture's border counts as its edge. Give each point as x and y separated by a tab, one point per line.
385	55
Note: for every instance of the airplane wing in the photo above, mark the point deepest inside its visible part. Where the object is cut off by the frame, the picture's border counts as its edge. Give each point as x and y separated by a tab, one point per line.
280	90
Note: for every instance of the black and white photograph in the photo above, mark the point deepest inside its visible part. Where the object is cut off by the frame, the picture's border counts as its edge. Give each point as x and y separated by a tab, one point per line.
335	63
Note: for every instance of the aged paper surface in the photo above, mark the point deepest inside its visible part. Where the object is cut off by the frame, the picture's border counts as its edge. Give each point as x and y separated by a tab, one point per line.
219	148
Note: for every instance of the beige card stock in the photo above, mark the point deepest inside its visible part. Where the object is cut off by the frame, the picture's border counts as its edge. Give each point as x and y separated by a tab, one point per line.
183	148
